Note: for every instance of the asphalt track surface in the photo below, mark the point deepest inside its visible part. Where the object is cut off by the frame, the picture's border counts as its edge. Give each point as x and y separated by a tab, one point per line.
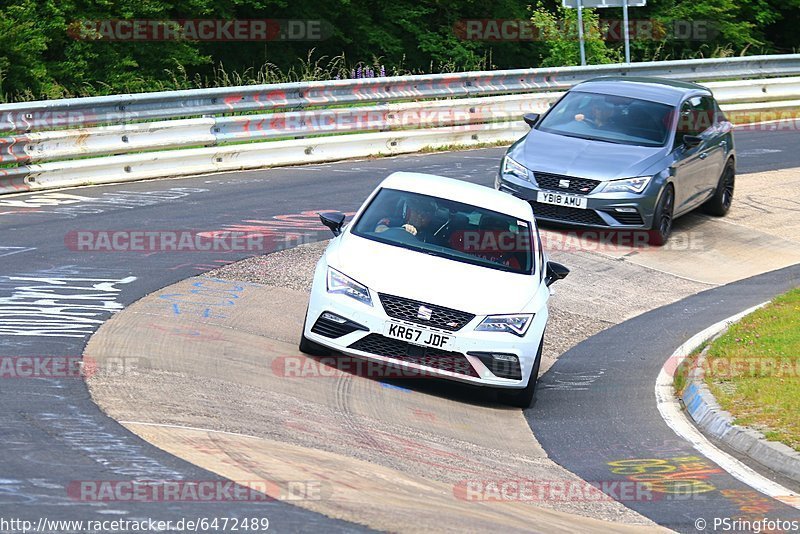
52	433
596	412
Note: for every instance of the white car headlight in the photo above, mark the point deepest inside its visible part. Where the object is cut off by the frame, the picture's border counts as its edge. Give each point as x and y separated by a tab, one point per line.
516	324
339	283
628	185
514	168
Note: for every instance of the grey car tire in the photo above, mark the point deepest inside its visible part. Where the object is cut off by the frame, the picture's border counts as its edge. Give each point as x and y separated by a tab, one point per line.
719	204
663	217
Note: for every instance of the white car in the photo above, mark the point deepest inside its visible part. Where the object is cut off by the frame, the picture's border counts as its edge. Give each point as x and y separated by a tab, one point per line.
438	276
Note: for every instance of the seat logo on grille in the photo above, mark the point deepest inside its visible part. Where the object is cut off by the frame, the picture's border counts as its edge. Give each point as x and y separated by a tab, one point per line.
564	184
424	313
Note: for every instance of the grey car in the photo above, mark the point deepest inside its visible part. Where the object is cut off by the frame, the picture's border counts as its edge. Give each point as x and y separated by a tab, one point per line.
625	153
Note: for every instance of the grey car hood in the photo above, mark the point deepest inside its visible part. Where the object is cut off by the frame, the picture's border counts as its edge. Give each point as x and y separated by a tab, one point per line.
597	160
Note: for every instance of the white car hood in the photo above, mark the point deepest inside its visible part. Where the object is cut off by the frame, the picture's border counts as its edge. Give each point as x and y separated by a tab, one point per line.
415	275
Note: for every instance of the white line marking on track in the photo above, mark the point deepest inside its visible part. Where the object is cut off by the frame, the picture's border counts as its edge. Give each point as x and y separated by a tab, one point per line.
673	415
8	251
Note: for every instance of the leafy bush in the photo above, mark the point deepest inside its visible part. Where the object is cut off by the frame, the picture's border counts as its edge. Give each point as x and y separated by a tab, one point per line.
39	58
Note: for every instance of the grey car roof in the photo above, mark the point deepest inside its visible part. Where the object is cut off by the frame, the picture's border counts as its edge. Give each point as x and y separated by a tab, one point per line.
654	89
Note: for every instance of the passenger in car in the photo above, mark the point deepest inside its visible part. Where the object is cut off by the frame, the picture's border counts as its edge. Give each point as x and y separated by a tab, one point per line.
497	242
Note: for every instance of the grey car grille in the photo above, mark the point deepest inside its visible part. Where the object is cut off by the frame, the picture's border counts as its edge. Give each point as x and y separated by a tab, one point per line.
579	186
567	214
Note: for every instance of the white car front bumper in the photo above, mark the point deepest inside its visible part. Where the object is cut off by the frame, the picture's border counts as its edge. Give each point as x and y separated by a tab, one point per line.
459	364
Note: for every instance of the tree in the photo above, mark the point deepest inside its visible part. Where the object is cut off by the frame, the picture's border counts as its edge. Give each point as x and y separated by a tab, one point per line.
560	33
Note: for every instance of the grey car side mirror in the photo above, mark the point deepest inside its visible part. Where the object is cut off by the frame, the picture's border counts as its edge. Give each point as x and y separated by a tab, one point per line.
531	119
692	141
555	272
333	220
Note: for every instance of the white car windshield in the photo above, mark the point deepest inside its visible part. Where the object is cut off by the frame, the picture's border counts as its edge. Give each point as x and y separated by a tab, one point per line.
448	229
613	119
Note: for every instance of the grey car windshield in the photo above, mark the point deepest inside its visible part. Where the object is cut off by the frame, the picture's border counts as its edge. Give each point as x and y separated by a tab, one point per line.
448	229
609	118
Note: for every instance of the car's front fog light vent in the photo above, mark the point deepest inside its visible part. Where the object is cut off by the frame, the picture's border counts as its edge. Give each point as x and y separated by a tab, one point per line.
333	326
628	216
328	316
500	364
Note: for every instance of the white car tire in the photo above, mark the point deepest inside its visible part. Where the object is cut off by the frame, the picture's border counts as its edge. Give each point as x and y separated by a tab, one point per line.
522	398
309	347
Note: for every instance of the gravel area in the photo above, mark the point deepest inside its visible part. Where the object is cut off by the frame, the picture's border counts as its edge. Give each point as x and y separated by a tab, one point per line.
591	299
292	268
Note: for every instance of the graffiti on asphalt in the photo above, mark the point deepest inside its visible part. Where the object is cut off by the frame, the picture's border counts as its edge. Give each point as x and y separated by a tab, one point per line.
61	302
69	205
686	475
208	298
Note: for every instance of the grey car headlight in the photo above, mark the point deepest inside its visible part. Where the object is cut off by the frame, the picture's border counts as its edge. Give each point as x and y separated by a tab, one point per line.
340	283
515	168
628	185
516	324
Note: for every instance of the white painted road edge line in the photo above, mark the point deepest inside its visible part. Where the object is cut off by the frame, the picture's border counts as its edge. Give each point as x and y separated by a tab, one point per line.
673	415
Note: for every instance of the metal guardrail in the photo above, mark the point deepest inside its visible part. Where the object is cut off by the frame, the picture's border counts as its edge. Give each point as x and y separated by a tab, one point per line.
29	116
399	112
211	131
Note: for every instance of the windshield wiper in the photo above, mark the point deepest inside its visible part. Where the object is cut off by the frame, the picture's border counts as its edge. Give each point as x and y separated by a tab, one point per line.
615	142
602	140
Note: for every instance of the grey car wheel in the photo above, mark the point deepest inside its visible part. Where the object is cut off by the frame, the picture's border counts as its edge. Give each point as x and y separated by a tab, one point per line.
662	220
720	203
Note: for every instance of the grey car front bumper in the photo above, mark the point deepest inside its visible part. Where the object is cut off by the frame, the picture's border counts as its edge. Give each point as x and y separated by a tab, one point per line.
604	210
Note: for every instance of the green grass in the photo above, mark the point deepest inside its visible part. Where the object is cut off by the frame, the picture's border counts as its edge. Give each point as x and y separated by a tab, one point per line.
753	370
314	67
681	378
448	148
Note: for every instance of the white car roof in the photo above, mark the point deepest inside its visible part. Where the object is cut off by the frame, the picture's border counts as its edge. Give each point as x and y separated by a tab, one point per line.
460	191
